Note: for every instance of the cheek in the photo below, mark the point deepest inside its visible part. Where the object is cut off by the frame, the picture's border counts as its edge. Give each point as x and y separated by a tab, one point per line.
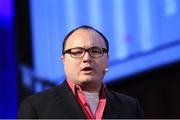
71	68
102	64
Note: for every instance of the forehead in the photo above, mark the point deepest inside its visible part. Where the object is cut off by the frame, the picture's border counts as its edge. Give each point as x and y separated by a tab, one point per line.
85	38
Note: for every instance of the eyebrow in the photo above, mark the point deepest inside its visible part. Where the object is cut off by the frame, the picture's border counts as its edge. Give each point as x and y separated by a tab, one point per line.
87	48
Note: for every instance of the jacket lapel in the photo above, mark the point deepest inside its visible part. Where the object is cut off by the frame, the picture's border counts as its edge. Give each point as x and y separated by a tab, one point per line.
113	108
69	107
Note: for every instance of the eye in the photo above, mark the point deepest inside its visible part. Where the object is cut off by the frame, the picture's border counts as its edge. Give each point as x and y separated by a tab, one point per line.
96	51
76	52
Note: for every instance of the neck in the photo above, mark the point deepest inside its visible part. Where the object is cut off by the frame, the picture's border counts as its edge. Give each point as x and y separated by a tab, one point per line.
91	87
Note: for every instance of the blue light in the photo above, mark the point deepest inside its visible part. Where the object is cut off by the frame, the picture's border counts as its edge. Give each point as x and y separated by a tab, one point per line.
8	78
6	9
140	33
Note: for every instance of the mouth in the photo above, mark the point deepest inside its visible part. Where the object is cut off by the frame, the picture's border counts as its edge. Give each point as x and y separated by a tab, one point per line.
87	70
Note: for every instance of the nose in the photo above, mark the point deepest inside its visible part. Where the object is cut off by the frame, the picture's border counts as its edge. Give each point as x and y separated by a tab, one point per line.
86	57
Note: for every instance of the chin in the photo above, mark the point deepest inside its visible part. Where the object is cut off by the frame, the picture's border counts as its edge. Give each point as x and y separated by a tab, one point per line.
87	79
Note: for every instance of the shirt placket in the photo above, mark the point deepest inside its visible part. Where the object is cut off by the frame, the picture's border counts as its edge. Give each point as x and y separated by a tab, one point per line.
85	103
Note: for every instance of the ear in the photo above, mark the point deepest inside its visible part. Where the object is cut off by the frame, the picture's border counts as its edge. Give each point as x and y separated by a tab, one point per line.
62	58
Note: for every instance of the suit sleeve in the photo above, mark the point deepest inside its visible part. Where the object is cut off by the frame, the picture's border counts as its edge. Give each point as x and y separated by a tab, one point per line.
140	112
26	111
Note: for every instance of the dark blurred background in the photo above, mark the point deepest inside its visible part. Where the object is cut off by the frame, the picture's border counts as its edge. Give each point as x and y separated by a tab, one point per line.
156	86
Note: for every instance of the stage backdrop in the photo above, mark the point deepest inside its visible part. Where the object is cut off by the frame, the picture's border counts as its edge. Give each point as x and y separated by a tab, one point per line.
8	81
143	35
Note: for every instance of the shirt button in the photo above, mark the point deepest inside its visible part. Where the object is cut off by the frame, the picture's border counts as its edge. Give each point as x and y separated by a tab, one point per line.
85	104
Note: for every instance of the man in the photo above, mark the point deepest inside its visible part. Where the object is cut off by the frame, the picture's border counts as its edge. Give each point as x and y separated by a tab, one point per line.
83	94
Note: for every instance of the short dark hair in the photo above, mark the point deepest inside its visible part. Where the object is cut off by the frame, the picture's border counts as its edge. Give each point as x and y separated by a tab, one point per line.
85	27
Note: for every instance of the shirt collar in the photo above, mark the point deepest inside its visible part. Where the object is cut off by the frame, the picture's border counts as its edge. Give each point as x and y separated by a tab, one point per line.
76	88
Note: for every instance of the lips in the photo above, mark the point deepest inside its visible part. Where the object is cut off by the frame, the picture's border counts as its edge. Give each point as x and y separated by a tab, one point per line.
87	70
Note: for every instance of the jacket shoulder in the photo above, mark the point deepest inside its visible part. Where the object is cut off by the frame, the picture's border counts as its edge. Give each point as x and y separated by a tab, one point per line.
120	96
50	94
41	97
127	106
42	103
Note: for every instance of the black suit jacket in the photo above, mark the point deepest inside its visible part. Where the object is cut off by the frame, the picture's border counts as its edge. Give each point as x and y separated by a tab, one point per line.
60	102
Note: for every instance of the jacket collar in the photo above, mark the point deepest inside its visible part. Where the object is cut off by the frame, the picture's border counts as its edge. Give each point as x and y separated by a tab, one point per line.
67	101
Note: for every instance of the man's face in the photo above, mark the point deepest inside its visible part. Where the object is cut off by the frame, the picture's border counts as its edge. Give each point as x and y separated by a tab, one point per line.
86	69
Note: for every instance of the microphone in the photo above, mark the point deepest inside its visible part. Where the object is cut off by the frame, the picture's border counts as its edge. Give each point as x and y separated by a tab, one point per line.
106	69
